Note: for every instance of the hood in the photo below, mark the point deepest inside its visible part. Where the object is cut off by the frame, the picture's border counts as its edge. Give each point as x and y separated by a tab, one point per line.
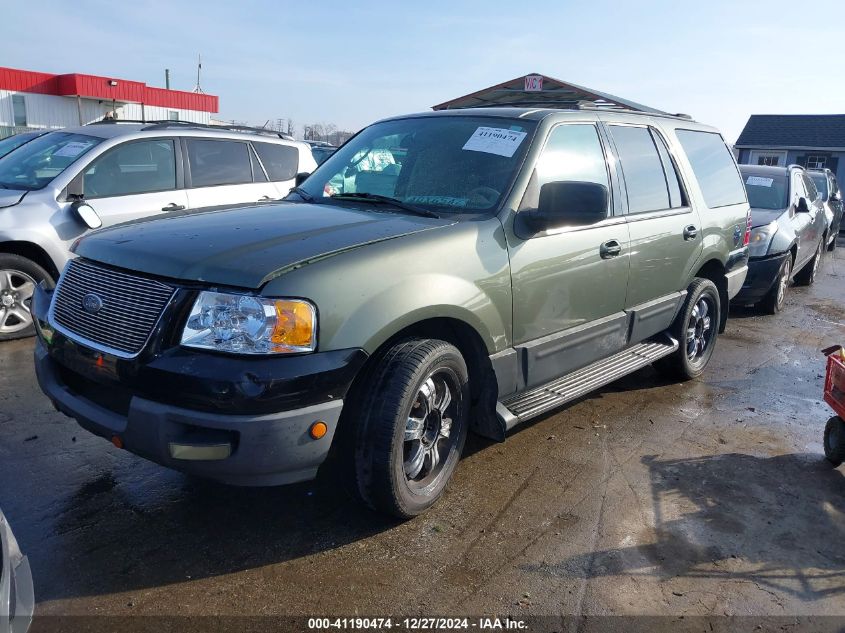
11	197
760	217
247	246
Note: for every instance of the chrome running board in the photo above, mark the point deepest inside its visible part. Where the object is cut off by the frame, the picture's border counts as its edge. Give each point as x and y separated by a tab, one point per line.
528	404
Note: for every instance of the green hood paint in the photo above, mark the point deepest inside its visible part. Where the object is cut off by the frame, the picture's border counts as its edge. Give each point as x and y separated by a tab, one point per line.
246	247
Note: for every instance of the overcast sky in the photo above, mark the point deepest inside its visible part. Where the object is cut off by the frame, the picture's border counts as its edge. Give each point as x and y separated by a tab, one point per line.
350	63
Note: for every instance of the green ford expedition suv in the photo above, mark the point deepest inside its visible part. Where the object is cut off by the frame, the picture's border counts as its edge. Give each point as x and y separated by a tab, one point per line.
441	272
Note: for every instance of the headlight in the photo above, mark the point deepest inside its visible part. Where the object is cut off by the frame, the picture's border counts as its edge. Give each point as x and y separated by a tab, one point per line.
245	324
761	237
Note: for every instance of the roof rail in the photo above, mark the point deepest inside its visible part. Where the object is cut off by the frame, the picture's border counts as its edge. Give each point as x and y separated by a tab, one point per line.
165	124
572	105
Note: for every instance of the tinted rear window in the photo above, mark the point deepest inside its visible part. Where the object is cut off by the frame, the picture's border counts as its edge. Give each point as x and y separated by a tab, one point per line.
714	168
280	161
218	163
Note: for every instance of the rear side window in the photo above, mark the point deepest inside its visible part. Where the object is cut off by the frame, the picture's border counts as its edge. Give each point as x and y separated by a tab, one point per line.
714	168
218	162
280	161
132	168
645	179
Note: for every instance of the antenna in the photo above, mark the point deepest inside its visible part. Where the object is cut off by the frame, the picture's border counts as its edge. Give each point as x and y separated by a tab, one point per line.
197	88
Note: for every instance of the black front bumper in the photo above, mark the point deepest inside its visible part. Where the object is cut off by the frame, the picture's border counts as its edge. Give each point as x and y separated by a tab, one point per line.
262	407
762	273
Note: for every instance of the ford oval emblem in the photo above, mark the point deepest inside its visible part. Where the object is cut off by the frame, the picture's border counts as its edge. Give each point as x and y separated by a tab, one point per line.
92	303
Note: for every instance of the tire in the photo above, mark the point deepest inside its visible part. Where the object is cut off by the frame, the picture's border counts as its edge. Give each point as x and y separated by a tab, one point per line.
404	450
18	278
807	275
834	440
696	334
774	300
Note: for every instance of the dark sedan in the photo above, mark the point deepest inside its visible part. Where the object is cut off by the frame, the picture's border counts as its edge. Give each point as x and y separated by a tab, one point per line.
788	235
826	183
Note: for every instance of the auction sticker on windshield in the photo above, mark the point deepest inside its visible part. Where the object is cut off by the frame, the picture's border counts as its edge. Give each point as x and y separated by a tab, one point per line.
495	140
73	149
758	181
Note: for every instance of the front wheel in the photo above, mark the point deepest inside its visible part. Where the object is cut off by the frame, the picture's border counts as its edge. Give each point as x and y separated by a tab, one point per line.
18	278
774	300
411	427
696	329
834	440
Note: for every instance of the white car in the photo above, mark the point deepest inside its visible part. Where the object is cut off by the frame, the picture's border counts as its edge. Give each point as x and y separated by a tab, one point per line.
59	186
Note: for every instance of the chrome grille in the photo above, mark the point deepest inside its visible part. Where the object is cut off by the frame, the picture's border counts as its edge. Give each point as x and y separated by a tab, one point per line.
130	307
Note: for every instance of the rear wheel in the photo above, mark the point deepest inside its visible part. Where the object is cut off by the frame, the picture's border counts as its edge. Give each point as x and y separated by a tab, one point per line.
807	275
18	278
774	300
834	440
411	426
696	329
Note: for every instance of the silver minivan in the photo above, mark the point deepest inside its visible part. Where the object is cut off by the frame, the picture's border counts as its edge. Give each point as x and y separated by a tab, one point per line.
63	184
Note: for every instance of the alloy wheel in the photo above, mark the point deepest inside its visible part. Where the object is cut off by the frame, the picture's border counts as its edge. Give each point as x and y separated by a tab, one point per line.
700	329
428	431
16	290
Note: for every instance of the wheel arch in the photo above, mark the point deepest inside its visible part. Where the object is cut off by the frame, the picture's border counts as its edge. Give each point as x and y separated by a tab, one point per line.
31	251
714	270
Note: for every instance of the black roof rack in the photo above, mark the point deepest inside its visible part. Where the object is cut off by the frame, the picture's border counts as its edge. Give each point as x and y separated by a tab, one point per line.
165	124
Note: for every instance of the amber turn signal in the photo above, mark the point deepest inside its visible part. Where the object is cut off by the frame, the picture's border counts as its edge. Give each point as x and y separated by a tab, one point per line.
117	441
318	430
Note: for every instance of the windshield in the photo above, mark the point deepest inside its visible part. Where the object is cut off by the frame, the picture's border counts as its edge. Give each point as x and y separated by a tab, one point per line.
766	192
460	164
35	164
821	184
13	142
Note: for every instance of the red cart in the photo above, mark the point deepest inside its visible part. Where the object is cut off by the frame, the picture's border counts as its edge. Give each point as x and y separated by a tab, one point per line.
834	395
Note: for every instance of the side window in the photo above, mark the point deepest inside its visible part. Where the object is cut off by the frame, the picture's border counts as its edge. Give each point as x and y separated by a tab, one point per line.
280	161
673	179
810	187
714	168
573	152
132	168
798	189
645	180
218	162
258	174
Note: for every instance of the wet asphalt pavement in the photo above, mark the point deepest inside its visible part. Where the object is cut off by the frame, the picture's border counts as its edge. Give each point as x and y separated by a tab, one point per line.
647	497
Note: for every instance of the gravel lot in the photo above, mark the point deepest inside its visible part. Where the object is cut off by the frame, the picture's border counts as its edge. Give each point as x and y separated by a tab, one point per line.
705	498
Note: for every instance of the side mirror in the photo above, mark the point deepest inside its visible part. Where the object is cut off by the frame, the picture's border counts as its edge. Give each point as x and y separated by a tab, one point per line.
802	206
568	203
301	177
86	213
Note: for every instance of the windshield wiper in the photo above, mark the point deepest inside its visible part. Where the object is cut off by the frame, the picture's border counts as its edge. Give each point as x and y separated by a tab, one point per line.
374	197
303	194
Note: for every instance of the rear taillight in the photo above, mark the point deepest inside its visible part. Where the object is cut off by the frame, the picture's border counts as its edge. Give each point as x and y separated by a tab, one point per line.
747	237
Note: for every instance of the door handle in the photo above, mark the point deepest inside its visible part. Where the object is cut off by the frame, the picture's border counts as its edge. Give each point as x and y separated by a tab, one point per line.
264	198
610	248
173	207
690	232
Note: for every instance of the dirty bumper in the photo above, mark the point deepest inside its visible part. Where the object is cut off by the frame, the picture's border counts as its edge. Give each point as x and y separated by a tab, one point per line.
256	450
